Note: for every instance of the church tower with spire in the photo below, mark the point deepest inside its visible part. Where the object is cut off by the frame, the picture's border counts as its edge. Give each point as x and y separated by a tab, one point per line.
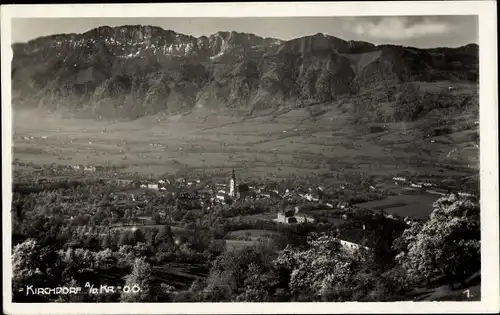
232	186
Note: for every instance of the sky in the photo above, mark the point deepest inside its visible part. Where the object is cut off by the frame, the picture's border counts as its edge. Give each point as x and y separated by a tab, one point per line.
416	31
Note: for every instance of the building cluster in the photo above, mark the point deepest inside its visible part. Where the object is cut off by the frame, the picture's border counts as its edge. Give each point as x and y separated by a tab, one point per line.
86	168
293	216
226	193
429	187
403	181
201	195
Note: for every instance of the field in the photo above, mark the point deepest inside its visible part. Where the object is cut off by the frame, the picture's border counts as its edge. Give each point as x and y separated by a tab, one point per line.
242	238
299	141
147	226
411	205
180	275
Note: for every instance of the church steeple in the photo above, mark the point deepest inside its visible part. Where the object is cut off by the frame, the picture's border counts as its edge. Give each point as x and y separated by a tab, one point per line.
232	185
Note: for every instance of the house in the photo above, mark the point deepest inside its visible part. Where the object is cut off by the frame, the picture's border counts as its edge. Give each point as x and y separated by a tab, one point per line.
416	185
153	186
399	179
350	246
163	188
292	216
244	191
343	205
464	194
309	197
143	186
89	169
303	218
290	193
161	181
285	217
355	239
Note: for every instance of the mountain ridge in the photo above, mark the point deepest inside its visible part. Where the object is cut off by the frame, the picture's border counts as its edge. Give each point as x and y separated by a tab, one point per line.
132	71
45	37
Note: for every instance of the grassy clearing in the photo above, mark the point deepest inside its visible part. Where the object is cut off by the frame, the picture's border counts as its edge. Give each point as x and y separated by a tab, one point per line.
238	244
253	234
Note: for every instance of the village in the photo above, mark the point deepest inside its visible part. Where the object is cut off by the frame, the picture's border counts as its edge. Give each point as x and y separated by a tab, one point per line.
309	204
192	194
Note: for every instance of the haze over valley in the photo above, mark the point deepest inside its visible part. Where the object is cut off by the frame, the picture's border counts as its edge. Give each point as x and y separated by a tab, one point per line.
311	102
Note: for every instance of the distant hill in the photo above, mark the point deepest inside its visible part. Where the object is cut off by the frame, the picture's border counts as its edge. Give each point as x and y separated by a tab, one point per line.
134	71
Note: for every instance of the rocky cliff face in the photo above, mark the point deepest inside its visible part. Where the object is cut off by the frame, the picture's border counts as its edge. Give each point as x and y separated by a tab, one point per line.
132	71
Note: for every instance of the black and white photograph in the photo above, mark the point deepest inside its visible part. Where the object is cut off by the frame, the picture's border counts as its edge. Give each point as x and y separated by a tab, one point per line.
264	159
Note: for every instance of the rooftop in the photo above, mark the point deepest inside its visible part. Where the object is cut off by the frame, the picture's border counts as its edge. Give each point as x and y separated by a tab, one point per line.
357	236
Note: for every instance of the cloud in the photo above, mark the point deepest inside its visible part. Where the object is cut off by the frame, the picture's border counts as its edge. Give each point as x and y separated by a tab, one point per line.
397	28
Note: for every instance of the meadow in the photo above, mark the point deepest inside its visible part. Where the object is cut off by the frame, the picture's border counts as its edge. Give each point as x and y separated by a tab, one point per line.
415	205
298	142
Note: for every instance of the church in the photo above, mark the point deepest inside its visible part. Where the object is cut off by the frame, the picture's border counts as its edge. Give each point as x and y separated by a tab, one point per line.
237	191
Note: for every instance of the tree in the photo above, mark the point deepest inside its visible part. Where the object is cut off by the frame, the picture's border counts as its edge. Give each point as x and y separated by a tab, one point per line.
24	264
128	214
34	265
126	238
260	285
321	271
165	237
138	236
141	278
106	241
232	274
447	245
156	218
151	236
